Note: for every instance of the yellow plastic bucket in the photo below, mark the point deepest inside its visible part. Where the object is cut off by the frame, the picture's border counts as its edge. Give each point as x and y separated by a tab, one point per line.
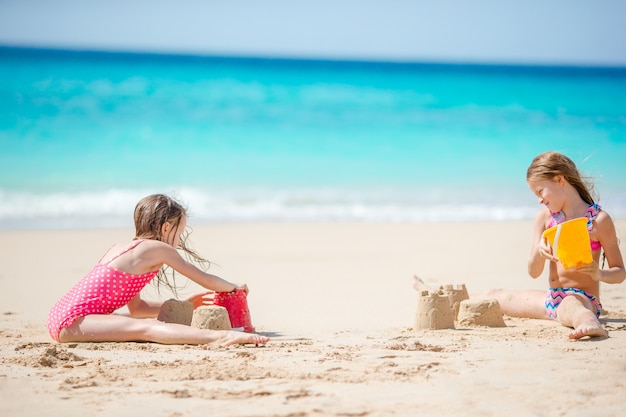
570	242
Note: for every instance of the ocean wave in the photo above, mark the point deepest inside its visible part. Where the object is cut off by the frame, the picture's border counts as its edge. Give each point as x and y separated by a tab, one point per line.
114	208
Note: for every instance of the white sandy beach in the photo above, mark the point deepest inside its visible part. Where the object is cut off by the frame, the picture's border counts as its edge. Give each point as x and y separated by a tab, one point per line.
337	301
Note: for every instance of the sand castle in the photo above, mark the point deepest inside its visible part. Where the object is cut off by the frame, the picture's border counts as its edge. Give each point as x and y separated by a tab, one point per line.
449	304
211	317
205	317
175	311
230	311
456	294
434	311
480	313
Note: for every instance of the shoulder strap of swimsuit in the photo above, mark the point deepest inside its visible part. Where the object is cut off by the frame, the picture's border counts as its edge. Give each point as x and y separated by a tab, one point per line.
557	218
131	247
592	213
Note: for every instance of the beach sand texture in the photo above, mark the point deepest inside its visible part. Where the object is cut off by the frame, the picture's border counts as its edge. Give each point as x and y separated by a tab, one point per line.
337	301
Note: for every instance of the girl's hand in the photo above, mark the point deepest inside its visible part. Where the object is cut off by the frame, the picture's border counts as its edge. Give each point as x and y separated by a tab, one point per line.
204	299
243	287
544	250
592	269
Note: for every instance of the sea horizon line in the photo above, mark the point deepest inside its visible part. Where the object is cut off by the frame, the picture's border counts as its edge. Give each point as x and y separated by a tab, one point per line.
319	62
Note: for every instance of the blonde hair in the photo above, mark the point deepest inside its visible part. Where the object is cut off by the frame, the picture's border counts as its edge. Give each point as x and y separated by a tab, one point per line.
151	213
548	165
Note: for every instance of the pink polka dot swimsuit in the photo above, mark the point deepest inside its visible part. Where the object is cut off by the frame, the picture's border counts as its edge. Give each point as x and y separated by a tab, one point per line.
102	291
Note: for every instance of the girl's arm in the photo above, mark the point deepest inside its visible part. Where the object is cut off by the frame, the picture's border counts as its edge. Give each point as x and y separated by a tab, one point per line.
170	256
540	251
142	309
604	232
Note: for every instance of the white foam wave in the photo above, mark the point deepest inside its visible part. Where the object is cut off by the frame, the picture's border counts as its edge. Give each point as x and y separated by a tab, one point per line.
113	208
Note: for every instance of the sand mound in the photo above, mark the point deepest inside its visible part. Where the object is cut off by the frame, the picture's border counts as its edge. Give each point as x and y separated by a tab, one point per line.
480	313
175	311
211	317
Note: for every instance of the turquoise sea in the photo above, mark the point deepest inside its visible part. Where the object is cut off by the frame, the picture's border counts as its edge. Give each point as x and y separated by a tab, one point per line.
84	135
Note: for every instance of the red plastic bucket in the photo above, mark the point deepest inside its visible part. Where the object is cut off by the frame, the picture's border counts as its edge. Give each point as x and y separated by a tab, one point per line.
236	303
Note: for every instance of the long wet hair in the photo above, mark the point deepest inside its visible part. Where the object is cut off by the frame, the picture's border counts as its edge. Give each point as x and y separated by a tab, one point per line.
548	165
151	213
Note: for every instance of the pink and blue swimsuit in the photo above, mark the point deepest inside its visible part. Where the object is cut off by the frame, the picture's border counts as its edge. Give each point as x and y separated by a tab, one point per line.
556	295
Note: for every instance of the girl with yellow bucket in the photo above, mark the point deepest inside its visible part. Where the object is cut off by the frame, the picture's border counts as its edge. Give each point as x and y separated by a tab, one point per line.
570	232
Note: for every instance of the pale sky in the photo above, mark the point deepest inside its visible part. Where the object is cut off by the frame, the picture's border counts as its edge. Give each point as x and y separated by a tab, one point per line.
577	32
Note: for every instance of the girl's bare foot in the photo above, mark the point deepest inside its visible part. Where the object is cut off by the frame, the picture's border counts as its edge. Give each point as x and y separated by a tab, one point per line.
241	338
591	328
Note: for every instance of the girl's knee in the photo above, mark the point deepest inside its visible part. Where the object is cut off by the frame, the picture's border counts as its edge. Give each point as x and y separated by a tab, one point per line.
572	306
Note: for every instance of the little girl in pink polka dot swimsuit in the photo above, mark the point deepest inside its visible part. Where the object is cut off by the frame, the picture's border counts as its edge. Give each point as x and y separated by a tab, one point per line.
84	314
